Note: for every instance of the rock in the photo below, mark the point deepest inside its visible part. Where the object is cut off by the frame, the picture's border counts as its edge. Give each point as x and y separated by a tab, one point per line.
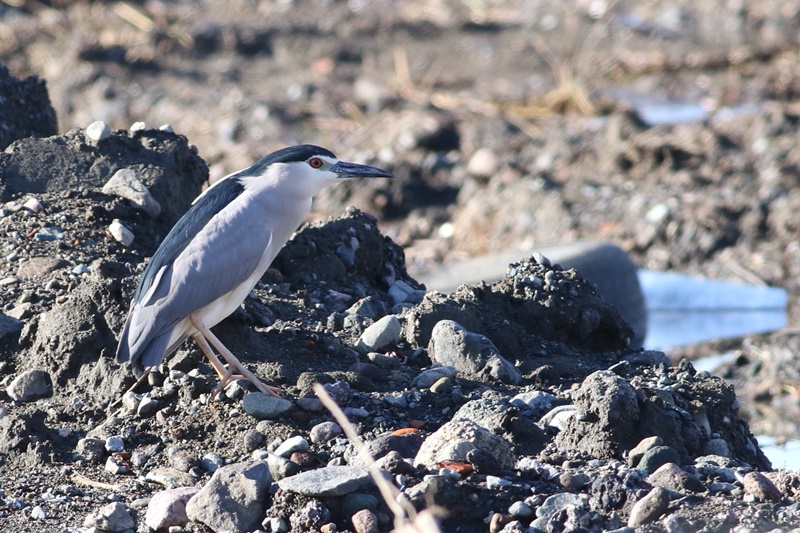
635	455
455	439
26	110
384	332
281	467
483	163
9	326
169	477
148	406
40	266
212	461
253	439
120	233
471	353
93	450
657	456
428	377
114	517
573	482
233	499
672	477
554	508
167	508
311	517
761	487
493	414
520	510
365	521
605	423
324	431
291	445
30	386
265	407
406	444
717	447
539	402
650	507
125	184
328	481
97	131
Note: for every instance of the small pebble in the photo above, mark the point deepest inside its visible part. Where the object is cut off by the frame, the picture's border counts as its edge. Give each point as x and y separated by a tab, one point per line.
98	131
120	233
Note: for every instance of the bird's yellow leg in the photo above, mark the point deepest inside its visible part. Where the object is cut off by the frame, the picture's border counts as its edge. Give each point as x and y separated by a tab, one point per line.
233	362
222	372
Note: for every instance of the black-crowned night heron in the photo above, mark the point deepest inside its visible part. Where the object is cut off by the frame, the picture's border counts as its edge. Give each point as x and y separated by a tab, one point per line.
216	253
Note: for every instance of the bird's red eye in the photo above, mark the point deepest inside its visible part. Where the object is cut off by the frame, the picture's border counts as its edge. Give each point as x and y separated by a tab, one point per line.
315	162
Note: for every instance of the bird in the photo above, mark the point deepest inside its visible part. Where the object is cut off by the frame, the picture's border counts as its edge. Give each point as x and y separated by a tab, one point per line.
216	253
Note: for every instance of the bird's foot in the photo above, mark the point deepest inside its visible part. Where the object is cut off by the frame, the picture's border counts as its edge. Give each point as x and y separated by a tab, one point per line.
249	376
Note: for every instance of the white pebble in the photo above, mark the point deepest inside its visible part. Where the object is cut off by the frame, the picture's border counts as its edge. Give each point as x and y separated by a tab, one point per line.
97	131
115	444
483	163
33	205
120	233
167	128
138	126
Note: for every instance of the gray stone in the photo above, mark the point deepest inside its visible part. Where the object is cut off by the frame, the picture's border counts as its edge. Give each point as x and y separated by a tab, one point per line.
717	447
650	508
125	184
384	332
407	445
31	386
657	456
673	477
233	499
167	508
148	406
554	508
169	477
328	481
265	407
40	266
291	445
311	517
761	487
97	131
457	438
539	402
489	413
115	444
365	521
471	353
520	510
324	431
636	453
483	163
114	518
281	467
120	233
428	377
90	449
212	461
607	417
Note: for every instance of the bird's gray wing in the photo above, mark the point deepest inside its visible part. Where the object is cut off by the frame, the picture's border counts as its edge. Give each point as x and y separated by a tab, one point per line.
212	250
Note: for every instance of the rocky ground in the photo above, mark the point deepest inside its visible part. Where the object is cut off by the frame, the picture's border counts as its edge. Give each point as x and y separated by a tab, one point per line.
515	406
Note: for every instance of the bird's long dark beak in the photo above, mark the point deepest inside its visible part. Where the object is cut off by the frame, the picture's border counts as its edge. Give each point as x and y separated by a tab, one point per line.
352	170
